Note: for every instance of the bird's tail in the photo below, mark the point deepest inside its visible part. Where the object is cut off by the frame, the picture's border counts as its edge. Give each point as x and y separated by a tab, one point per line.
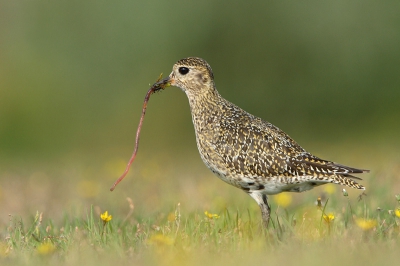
347	180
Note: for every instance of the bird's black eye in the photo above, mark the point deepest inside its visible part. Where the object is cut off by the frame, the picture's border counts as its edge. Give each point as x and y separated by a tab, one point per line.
183	70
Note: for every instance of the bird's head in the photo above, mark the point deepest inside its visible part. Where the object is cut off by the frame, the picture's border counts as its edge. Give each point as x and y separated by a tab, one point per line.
193	75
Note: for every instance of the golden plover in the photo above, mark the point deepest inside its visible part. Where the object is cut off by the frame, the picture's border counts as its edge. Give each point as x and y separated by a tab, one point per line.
244	150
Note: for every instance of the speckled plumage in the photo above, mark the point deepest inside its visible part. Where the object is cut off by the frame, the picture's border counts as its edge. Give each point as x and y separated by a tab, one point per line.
246	151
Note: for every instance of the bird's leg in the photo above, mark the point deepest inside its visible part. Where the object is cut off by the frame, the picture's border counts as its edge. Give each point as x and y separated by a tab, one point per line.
265	210
262	201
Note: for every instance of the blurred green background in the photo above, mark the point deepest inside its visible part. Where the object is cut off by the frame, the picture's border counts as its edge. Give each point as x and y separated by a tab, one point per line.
73	75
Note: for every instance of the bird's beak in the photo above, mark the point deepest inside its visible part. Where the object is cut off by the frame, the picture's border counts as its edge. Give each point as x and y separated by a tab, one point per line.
163	83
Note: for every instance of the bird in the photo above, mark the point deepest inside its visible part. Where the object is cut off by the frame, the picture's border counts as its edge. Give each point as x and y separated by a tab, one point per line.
246	151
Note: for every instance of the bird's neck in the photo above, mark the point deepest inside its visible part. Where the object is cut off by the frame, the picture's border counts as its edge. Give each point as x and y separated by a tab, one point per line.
205	108
204	102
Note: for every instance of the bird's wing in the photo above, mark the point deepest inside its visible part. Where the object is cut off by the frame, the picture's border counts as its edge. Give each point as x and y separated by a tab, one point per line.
261	149
307	163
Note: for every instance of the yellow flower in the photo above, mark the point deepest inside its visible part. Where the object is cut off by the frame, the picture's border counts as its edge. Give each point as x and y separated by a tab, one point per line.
115	167
329	218
161	240
171	217
397	212
366	224
283	199
4	250
45	248
105	217
211	215
330	188
88	189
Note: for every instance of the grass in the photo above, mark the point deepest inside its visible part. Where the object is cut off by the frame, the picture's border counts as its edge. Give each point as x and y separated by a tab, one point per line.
213	225
196	238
